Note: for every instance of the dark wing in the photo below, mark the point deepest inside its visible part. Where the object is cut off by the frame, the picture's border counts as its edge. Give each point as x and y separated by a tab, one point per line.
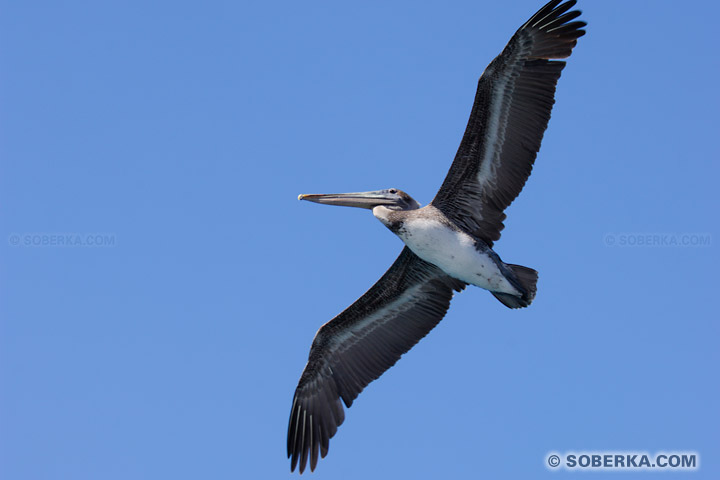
361	343
512	107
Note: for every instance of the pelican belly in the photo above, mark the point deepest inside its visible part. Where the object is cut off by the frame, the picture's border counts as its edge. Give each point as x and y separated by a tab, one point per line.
455	252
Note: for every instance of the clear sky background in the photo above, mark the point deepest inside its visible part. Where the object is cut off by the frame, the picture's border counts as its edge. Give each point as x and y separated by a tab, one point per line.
182	133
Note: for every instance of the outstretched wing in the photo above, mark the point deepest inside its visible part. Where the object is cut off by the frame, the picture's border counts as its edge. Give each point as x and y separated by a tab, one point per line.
512	108
361	343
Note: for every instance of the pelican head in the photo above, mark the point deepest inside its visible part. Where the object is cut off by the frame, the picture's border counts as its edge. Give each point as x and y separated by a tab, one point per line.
391	198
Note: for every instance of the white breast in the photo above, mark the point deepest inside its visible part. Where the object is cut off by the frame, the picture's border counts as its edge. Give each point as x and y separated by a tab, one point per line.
454	252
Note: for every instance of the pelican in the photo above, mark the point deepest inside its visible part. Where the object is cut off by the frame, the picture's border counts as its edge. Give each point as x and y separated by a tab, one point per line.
448	243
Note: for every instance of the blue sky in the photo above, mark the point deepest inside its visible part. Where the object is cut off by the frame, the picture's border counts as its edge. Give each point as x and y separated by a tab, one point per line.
181	135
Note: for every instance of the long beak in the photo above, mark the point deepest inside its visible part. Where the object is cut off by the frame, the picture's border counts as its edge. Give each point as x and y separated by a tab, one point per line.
358	199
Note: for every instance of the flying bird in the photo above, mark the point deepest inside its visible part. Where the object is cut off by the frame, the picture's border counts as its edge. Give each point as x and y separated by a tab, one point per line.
448	243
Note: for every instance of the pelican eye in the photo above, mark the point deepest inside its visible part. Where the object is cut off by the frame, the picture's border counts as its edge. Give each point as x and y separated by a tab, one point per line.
392	190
